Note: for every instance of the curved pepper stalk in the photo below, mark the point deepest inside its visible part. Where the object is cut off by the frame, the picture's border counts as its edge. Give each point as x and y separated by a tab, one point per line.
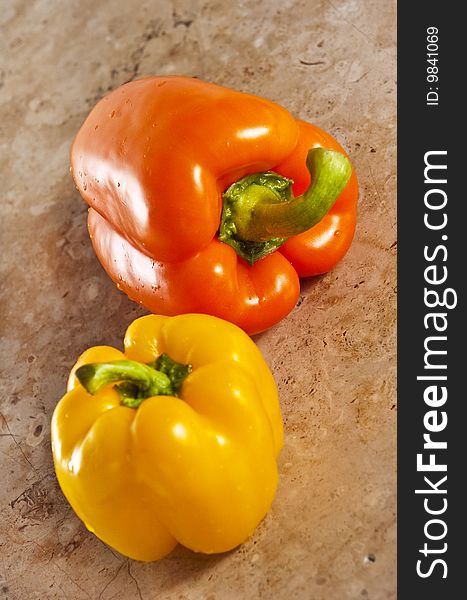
164	377
260	213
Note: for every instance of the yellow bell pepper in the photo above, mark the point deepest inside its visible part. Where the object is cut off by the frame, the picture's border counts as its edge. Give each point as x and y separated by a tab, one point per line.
183	450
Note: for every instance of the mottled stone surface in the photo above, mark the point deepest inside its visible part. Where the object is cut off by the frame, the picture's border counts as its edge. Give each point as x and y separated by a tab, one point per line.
331	532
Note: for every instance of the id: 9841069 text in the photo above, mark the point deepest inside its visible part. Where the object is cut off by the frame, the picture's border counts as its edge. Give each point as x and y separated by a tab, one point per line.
432	70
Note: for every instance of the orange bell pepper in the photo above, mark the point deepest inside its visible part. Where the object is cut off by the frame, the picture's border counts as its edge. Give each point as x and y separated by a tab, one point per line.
193	207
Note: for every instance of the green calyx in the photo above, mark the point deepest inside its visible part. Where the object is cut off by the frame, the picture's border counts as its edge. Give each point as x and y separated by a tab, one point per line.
239	202
259	212
136	381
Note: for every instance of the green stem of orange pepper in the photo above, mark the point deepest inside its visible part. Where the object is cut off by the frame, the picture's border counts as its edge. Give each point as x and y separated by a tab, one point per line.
260	213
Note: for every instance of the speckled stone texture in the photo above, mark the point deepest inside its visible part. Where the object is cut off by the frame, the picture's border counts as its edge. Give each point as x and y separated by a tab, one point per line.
331	532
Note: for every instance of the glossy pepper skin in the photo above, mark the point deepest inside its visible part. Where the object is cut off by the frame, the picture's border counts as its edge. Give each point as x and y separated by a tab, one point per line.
199	469
153	159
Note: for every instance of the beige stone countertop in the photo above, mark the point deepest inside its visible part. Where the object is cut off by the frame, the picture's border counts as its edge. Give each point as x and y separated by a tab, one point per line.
331	532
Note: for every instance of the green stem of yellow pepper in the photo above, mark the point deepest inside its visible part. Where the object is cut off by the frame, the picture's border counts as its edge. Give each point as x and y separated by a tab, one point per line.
137	381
